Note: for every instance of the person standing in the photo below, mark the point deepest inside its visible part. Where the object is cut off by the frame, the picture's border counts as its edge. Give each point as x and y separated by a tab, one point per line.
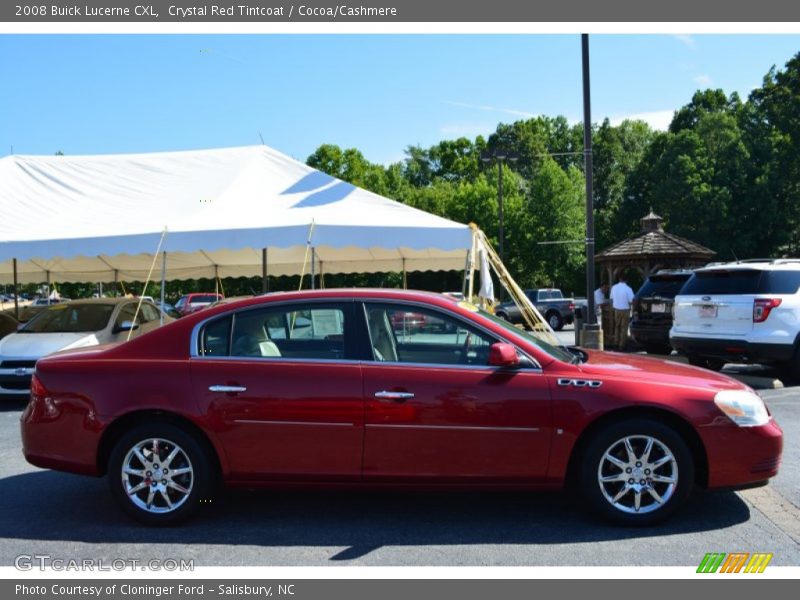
621	299
600	297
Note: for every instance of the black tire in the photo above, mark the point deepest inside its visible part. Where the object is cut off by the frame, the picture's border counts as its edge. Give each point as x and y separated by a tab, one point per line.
658	349
599	495
554	320
199	481
789	371
501	315
712	364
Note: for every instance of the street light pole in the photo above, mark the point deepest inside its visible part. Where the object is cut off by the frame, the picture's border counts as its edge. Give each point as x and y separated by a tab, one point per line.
500	157
593	336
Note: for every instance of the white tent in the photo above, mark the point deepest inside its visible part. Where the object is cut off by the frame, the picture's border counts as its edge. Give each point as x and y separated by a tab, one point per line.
227	212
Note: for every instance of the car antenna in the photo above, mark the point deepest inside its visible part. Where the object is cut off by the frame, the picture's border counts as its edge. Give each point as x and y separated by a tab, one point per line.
734	256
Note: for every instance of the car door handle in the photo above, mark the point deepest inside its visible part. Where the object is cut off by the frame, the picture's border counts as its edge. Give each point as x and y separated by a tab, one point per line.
387	396
227	389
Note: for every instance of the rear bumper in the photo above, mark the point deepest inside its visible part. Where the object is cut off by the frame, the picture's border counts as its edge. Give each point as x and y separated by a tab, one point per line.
733	350
742	457
648	334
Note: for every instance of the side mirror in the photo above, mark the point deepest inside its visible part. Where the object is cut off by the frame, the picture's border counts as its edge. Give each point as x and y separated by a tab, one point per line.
126	326
503	355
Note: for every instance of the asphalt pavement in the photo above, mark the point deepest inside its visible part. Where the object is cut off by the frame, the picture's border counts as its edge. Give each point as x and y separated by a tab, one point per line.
73	517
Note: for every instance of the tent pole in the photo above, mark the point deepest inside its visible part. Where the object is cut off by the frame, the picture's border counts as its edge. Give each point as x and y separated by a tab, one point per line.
116	280
47	275
313	264
321	277
216	279
264	272
405	275
16	291
466	276
163	282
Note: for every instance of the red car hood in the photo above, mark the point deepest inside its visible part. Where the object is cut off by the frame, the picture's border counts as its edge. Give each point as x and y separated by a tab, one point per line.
644	368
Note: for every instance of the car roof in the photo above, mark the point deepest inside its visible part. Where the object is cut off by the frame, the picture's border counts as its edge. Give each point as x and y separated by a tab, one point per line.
766	264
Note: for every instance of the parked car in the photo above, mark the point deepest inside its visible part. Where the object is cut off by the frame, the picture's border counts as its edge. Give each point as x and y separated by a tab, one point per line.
747	311
63	326
550	302
241	394
191	303
652	309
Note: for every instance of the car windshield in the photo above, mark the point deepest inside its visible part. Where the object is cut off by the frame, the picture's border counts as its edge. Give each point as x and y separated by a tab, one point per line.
664	286
70	318
556	352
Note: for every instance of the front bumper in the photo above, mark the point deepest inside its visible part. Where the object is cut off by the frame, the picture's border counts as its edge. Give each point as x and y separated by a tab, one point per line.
733	350
740	457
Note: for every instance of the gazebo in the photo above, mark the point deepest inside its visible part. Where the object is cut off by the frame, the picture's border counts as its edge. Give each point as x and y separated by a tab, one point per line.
651	250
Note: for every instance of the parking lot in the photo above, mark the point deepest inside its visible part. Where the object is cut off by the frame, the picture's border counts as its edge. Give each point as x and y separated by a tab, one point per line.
71	517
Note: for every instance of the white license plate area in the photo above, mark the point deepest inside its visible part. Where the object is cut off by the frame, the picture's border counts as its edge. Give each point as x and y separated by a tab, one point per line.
658	308
708	311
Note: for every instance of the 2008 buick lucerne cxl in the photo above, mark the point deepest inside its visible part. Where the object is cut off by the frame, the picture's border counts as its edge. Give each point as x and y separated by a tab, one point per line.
327	388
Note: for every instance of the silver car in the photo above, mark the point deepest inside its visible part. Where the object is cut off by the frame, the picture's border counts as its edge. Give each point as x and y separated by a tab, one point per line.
75	324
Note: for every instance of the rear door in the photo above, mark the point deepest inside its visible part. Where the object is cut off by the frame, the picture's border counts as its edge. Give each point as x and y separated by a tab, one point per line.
717	302
283	391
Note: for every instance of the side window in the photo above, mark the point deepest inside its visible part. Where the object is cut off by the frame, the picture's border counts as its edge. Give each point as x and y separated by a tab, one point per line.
411	335
215	337
149	313
316	332
126	313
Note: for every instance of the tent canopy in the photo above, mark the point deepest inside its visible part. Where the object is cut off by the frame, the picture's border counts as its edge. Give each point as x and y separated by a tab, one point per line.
101	218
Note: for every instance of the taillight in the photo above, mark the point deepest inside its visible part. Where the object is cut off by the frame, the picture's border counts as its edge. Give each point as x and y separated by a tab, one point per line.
38	390
572	306
762	307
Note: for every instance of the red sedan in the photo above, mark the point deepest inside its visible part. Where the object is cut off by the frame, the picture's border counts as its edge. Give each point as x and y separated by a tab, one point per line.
317	389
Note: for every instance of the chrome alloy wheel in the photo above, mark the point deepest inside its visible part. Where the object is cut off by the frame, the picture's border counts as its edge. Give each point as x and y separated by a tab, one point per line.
157	475
637	474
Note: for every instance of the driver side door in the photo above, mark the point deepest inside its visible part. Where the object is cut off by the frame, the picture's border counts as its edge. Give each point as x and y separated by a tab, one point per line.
436	411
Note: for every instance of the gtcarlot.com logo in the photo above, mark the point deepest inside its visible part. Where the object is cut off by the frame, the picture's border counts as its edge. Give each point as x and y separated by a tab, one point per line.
737	562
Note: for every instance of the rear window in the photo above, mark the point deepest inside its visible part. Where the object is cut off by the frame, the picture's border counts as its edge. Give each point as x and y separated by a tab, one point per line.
204	298
742	281
665	286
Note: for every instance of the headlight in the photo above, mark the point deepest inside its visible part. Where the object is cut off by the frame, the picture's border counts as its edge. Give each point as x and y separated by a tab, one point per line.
744	408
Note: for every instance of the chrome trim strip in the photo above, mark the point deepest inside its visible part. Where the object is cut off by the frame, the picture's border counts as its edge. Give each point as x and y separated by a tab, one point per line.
454	427
228	389
314	423
387	395
579	383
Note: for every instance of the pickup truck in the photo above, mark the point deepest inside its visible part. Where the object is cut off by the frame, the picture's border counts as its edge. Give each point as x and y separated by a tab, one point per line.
558	311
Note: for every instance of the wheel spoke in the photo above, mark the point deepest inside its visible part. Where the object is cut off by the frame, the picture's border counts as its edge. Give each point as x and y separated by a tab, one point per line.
629	450
637	500
177	486
181	471
616	462
622	493
662	479
647	449
615	477
137	488
171	456
151	494
165	496
138	453
131	471
661	462
655	495
155	449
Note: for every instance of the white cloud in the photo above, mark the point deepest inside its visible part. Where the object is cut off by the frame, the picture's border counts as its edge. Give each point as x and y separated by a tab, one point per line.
686	40
658	119
703	80
489	108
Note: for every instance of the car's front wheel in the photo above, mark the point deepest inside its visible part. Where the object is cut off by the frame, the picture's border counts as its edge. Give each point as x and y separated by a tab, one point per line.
159	474
636	472
555	321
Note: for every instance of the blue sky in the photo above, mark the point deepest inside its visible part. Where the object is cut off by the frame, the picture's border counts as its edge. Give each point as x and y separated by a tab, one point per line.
140	93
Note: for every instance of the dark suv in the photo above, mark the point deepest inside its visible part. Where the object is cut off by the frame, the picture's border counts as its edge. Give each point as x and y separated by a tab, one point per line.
653	308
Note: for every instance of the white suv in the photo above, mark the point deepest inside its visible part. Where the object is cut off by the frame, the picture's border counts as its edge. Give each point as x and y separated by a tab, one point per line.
747	311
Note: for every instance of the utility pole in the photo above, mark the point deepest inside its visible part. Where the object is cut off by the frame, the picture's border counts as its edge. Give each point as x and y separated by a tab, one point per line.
592	334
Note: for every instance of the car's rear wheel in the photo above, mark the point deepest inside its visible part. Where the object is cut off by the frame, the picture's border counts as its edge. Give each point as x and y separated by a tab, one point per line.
713	364
636	472
555	321
159	473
